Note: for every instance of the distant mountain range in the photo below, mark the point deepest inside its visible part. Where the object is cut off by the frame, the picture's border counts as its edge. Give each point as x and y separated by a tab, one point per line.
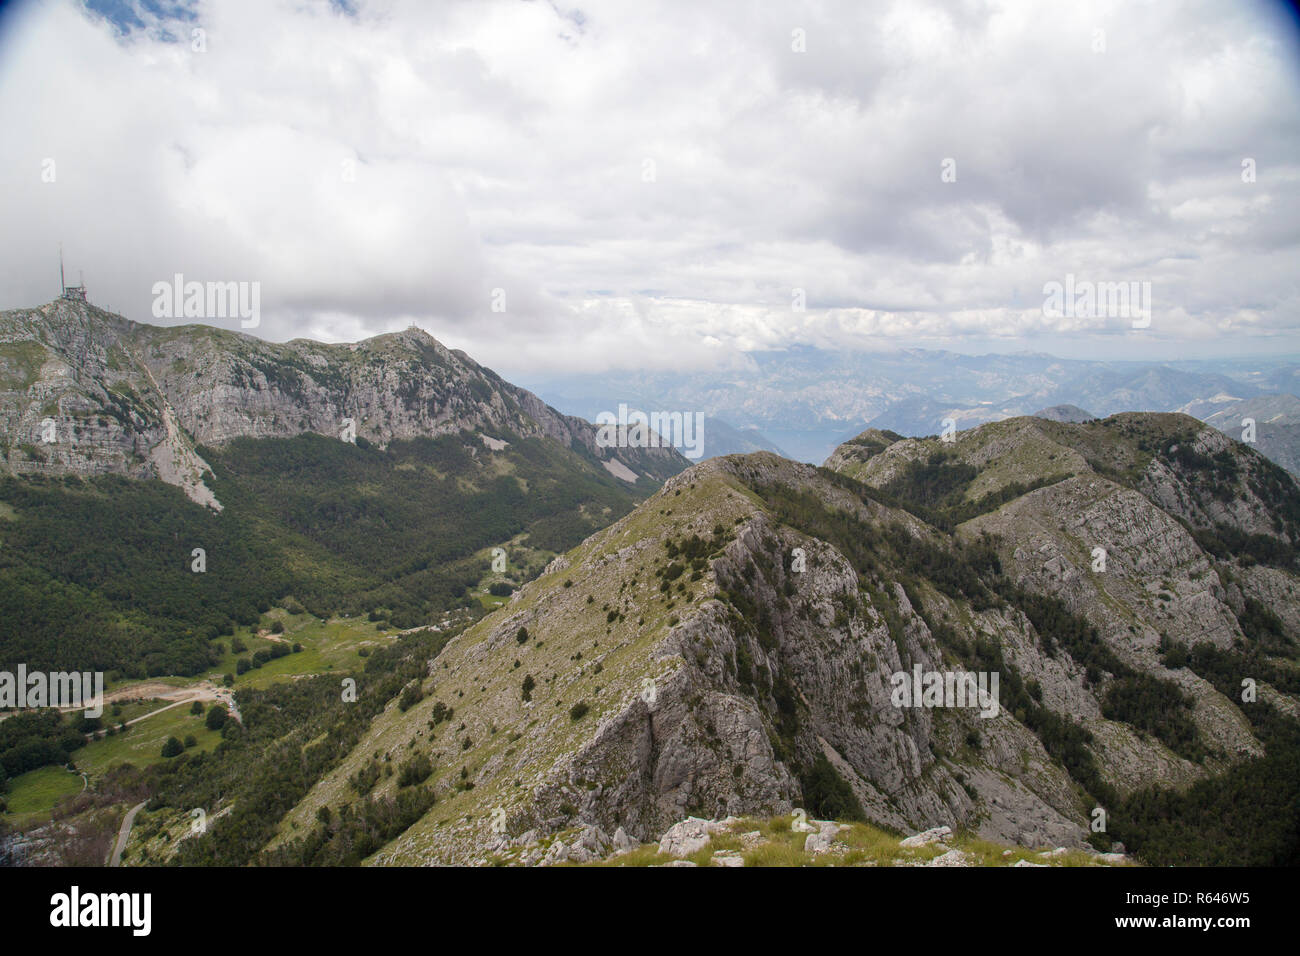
1276	421
807	401
1065	413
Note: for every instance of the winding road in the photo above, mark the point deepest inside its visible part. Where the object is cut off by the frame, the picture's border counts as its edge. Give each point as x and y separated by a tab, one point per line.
124	834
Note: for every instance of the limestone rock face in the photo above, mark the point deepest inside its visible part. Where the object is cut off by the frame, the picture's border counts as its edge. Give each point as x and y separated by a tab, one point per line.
689	836
822	839
86	392
933	835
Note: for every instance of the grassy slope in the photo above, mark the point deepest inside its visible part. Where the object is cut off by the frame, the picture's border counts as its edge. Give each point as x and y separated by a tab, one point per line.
32	795
484	687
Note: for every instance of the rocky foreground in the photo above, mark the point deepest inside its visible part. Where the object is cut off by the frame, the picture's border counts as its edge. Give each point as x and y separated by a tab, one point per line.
791	840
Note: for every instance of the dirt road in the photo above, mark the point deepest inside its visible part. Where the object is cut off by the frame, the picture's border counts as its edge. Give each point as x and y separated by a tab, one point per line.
202	691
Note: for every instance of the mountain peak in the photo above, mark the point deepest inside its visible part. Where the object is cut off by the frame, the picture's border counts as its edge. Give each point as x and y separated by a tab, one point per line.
116	391
1065	413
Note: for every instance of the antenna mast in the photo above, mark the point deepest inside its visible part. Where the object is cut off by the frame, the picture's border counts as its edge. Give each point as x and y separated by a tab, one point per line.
77	292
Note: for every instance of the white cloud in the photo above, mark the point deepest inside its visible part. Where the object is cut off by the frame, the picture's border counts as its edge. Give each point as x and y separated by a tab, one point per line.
649	184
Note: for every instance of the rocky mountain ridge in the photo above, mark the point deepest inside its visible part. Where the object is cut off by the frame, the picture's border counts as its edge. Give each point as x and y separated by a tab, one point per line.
733	645
84	391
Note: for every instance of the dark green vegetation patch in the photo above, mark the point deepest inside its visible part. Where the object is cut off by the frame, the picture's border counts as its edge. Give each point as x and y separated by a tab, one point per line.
96	574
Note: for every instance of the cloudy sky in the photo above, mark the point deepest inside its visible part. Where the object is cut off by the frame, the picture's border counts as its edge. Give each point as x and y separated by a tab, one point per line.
658	184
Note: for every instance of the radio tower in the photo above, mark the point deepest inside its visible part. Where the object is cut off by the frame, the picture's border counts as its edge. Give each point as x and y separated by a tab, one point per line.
77	293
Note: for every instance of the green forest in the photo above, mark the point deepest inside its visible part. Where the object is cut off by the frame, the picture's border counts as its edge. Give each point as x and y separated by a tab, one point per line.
99	574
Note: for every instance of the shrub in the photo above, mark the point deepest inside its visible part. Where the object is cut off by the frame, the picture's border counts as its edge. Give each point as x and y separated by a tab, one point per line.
414	771
578	710
86	725
172	747
216	719
412	694
827	795
364	780
1173	656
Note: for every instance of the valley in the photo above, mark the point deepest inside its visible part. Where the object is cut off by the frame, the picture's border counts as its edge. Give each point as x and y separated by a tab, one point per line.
443	443
481	645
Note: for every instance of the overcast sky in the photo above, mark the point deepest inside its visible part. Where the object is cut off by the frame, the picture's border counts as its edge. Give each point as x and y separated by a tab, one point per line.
649	183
